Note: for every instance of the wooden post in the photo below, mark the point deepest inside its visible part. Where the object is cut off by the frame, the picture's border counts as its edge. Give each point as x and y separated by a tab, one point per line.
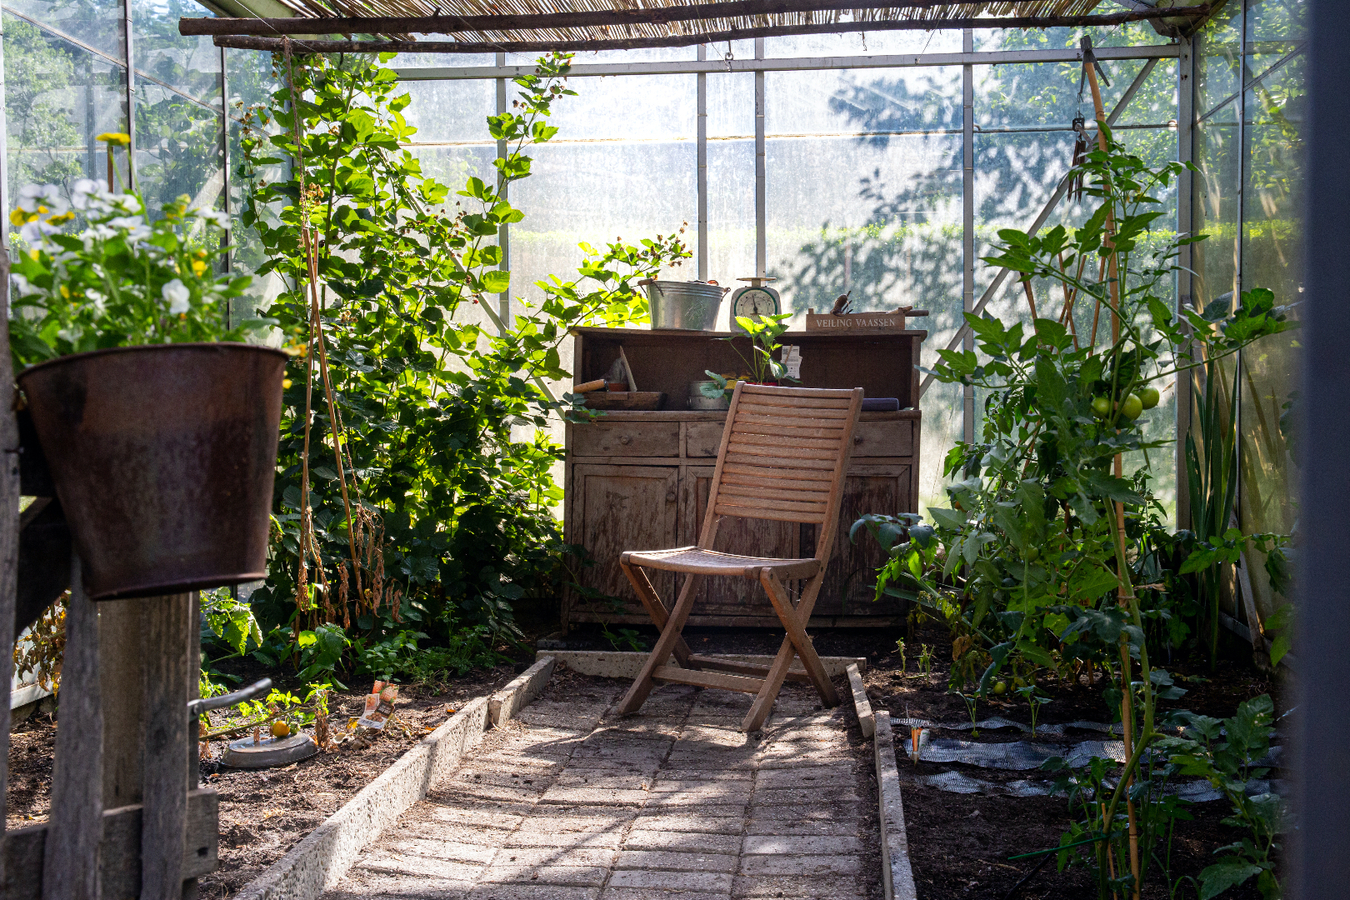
9	531
70	869
165	682
120	625
194	664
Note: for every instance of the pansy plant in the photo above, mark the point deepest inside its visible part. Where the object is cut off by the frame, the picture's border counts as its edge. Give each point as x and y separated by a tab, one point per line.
95	272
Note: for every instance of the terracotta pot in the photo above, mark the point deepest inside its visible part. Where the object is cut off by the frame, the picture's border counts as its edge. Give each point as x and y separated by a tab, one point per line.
163	458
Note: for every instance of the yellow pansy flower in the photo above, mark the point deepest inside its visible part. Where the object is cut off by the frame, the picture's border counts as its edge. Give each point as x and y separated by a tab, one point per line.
198	268
114	137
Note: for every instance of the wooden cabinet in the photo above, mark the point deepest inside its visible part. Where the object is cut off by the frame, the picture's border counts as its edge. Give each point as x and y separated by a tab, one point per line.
639	480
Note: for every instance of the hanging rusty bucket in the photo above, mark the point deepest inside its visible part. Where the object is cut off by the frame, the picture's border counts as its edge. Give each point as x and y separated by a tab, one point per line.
163	458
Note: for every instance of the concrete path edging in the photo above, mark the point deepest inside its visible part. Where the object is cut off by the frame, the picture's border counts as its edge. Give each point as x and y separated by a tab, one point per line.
320	861
897	873
628	664
867	720
896	870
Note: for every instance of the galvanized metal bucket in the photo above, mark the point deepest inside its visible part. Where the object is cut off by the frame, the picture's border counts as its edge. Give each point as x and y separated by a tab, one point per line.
684	305
163	458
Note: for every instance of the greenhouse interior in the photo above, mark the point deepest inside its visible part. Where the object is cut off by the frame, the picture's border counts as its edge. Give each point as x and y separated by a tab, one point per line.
680	449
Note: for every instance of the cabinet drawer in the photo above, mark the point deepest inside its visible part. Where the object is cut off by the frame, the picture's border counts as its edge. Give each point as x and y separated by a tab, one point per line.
884	438
703	439
626	439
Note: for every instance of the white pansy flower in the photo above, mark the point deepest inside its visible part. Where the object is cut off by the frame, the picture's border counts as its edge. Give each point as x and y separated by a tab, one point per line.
35	233
176	293
22	287
220	219
98	300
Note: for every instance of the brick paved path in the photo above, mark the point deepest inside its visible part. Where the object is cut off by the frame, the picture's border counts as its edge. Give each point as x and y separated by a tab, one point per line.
671	804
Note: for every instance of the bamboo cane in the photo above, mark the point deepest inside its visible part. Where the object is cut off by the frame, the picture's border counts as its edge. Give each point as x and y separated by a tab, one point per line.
1113	286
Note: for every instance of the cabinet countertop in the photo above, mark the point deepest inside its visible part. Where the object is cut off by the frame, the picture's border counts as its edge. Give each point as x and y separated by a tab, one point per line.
715	415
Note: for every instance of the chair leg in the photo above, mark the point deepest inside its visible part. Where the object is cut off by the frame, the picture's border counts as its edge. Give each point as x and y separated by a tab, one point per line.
773	683
665	645
655	608
795	623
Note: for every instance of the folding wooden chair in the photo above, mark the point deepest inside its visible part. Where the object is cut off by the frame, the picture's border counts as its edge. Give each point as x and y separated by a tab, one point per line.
783	456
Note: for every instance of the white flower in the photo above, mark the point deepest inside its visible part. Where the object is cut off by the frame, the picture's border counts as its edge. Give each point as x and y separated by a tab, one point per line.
89	194
22	287
35	233
98	300
176	293
220	219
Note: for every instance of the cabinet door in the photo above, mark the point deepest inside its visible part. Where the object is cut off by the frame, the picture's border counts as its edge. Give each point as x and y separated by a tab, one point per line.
751	537
618	508
851	578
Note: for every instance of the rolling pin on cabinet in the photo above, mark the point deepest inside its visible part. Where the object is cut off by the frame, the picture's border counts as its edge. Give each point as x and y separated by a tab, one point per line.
639	480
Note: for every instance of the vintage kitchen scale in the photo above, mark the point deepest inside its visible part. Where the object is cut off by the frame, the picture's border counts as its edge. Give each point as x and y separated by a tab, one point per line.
754	301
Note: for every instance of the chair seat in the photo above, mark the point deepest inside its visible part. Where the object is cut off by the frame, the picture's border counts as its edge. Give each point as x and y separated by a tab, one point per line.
711	562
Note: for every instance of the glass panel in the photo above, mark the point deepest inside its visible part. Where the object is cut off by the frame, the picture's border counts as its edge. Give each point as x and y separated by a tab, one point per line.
1272	257
98	24
190	64
1131	34
58	97
870	101
249	78
178	149
444	111
1217	48
856	205
623	164
856	43
649	54
1215	208
451	60
731	177
1038	94
1275	28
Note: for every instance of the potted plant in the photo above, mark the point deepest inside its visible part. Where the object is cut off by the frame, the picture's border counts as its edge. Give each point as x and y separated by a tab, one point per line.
158	423
764	333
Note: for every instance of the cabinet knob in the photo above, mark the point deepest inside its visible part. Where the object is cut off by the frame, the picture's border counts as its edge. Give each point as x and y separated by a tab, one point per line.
670	496
625	439
857	439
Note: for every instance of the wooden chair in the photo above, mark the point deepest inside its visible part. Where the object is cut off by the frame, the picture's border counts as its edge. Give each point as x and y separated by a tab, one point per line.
783	456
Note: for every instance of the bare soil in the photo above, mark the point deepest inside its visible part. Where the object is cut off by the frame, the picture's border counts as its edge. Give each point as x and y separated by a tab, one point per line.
266	812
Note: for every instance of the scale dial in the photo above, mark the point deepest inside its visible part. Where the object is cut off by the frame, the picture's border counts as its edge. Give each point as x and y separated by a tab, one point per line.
754	303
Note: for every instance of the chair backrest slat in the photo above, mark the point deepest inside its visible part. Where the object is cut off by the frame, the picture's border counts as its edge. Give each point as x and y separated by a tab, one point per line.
783	456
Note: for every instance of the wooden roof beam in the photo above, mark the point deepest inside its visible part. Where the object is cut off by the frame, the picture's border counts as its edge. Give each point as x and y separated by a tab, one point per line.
724	9
479	45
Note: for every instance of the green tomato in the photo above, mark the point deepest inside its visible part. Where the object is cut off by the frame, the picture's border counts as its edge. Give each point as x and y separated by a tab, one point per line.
1033	554
1132	407
1150	396
1101	407
1000	688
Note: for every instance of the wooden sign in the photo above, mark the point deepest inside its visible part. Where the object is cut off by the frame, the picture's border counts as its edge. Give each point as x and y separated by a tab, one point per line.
856	322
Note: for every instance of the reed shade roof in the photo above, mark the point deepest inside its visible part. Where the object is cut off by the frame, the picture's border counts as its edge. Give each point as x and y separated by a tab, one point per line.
479	26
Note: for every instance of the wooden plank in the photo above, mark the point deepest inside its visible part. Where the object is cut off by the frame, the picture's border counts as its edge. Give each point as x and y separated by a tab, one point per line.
773	455
753	459
734	489
193	761
733	473
9	533
791	405
777	439
723	665
70	860
708	679
165	684
120	867
814	507
802	415
120	624
787	425
774	515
